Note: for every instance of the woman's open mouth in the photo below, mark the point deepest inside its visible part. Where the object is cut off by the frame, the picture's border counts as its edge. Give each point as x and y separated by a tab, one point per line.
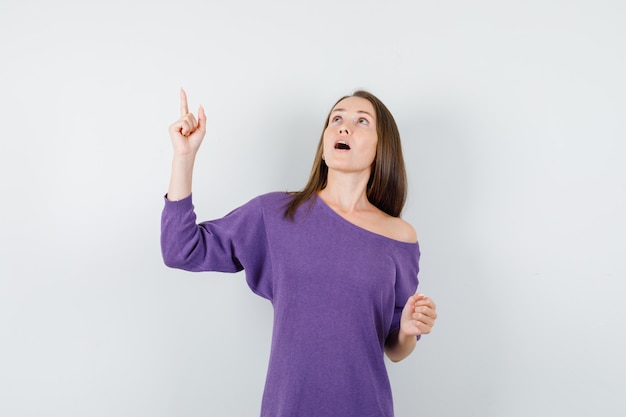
342	145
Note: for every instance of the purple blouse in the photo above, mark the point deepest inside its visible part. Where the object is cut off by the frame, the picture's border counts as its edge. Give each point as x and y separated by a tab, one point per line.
337	290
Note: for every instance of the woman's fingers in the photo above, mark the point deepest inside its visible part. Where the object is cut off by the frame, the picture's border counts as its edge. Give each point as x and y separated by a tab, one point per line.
423	301
424	313
189	124
188	132
184	109
201	119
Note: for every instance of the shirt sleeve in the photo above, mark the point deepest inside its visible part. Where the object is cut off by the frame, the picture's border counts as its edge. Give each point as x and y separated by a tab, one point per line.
232	243
407	268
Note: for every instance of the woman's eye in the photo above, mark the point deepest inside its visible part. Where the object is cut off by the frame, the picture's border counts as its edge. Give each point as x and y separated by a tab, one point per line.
364	121
336	118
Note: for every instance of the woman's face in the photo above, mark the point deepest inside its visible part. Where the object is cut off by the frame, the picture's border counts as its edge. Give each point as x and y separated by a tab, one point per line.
350	139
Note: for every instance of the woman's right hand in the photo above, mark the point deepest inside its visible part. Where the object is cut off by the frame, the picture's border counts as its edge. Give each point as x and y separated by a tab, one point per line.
187	133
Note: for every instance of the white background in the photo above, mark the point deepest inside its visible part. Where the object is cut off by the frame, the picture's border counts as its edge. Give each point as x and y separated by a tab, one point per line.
512	115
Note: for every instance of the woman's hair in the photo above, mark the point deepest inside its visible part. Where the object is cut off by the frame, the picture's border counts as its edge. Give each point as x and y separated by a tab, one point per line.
386	188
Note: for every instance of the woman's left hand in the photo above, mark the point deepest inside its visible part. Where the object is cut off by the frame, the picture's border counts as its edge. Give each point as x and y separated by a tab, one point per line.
418	316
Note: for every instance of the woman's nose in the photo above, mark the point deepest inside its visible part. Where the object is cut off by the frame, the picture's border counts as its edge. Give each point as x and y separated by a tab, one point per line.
344	130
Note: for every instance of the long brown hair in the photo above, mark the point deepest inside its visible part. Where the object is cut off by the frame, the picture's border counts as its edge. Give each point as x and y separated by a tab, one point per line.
387	185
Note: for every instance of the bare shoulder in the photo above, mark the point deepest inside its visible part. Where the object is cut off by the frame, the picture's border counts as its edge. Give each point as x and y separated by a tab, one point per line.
377	221
393	227
401	230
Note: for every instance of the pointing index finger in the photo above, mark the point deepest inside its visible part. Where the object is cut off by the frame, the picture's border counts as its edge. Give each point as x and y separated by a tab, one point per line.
183	103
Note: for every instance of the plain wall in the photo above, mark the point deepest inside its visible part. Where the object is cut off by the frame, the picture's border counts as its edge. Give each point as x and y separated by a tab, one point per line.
512	115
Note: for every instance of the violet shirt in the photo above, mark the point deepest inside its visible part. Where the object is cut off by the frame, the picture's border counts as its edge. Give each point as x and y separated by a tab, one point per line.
337	290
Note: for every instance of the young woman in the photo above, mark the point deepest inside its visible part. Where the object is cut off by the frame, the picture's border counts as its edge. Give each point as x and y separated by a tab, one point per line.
336	261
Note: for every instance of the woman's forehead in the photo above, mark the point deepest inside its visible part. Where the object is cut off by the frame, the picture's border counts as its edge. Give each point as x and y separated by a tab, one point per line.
355	104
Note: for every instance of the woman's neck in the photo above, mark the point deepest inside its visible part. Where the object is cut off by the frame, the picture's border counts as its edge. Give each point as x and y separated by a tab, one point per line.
346	192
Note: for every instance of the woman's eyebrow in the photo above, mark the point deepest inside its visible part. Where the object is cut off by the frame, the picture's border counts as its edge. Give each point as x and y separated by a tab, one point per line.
358	111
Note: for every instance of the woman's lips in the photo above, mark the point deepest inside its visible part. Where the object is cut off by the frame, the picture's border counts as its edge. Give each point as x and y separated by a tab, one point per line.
342	144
